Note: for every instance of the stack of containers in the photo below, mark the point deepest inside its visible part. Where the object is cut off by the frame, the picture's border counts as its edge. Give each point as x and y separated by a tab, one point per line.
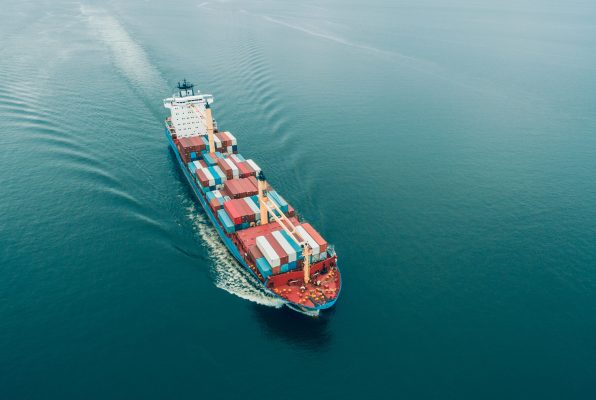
210	177
264	267
225	220
284	257
228	142
192	168
254	207
254	166
205	179
194	165
190	148
296	247
255	253
229	168
210	158
244	167
288	249
315	241
269	253
240	213
216	199
237	157
239	188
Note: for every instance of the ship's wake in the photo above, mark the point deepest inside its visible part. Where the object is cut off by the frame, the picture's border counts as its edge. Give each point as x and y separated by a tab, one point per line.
227	273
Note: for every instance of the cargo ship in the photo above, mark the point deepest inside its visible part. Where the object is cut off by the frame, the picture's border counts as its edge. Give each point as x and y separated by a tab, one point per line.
264	233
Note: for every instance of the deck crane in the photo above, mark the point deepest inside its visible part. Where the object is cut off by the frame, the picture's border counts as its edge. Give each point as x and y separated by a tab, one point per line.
269	207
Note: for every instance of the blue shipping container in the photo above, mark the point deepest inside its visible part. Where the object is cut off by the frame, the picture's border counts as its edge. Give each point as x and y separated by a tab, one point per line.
226	221
293	243
264	267
192	168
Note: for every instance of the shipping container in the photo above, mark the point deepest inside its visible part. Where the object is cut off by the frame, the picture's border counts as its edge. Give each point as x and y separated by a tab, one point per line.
308	239
316	236
225	221
237	157
288	248
292	243
253	207
254	166
278	200
238	188
192	168
270	255
283	256
264	267
255	253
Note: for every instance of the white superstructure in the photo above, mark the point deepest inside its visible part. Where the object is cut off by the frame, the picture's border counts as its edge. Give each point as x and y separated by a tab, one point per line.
186	121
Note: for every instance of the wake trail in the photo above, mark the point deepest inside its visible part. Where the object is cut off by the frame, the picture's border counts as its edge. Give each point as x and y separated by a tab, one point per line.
228	274
129	57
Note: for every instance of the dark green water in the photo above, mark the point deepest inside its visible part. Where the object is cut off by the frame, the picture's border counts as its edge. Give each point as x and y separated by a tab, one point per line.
447	148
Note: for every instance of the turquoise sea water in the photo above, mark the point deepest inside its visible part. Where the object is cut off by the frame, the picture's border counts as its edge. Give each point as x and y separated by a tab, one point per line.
447	148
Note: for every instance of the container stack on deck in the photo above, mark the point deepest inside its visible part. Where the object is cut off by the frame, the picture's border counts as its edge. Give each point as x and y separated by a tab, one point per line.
229	183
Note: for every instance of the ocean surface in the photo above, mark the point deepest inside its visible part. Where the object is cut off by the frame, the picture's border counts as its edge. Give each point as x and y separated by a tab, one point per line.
447	148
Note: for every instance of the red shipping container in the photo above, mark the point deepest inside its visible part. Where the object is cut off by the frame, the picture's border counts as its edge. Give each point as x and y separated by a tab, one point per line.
255	253
225	167
315	235
185	157
244	169
239	211
202	178
248	214
214	204
248	236
239	188
225	140
233	211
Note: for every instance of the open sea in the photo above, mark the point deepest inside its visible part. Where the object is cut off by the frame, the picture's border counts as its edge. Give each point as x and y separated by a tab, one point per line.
447	148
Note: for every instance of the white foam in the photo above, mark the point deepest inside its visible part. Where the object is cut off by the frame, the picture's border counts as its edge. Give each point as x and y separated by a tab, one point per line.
228	274
128	55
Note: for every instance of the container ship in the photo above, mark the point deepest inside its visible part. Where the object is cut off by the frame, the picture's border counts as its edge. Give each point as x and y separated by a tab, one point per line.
264	233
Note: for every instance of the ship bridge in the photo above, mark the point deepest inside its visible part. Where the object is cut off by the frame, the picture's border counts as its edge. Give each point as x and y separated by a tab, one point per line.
184	105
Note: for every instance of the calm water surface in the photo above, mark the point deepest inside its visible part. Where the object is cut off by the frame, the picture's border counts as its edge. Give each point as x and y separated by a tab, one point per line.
447	148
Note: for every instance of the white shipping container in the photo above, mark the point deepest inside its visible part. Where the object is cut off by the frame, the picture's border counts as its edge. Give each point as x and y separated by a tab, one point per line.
217	142
253	207
270	254
285	245
311	242
234	142
235	171
219	172
254	166
209	176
